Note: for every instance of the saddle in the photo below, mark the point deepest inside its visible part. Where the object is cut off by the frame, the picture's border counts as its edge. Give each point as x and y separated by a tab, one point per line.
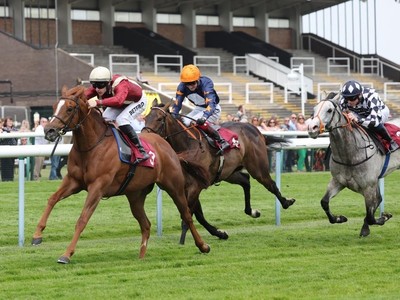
228	135
128	152
382	144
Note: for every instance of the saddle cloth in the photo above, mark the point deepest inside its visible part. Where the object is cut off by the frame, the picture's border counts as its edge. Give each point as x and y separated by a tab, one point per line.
229	136
128	152
394	132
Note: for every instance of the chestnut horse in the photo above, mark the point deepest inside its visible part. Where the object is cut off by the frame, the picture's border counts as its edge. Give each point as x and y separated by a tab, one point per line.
94	165
189	143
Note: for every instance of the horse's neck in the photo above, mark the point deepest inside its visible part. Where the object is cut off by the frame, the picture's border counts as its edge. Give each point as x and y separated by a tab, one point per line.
90	131
346	142
181	139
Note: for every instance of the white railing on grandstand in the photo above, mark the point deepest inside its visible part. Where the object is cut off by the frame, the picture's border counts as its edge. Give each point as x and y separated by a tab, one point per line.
173	61
369	65
324	88
260	88
391	90
132	61
208	62
338	65
271	70
308	63
87	57
240	62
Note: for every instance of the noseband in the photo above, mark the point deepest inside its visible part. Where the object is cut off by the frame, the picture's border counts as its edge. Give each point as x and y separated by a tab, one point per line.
68	122
328	126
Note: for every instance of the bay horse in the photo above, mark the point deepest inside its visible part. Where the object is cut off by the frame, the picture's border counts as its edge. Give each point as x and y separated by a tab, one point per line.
189	143
94	165
355	162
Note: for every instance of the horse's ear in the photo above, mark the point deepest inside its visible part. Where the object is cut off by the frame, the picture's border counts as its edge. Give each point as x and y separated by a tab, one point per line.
154	103
167	106
64	90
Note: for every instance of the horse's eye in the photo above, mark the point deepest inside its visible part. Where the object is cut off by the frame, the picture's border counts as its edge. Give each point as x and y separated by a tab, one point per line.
330	110
70	109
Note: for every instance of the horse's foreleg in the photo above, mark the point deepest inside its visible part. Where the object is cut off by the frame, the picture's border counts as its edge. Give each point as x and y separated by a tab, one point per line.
92	200
67	188
136	203
198	212
333	189
179	198
243	179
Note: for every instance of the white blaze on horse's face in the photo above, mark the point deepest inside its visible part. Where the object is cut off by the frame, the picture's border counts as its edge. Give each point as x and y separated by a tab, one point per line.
316	124
58	109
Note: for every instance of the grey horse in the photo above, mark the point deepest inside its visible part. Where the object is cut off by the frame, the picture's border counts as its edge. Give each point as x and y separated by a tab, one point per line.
355	162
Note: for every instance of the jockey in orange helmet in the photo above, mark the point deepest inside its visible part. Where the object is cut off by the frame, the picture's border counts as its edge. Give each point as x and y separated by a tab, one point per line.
199	90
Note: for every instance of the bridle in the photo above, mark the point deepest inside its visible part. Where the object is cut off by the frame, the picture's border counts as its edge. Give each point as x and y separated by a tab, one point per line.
349	125
67	123
162	131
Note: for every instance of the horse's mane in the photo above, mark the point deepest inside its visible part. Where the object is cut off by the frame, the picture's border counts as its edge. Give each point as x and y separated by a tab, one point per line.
77	91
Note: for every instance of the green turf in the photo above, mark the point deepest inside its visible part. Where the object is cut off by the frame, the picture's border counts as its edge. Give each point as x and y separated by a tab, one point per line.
304	258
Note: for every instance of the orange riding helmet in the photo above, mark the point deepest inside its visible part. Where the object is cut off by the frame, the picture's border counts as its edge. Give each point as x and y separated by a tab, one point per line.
190	73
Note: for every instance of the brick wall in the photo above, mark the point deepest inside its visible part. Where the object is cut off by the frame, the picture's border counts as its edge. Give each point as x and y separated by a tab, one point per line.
32	71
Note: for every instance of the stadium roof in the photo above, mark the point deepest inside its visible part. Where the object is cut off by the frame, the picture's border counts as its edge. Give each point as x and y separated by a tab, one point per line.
276	8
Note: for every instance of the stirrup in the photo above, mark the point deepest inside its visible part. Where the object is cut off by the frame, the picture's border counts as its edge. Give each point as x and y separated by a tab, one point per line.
224	146
393	146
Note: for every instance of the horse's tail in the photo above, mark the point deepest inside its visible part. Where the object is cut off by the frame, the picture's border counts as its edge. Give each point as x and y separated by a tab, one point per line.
271	140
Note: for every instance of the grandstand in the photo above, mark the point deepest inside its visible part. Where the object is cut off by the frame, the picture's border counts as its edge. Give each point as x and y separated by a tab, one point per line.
34	71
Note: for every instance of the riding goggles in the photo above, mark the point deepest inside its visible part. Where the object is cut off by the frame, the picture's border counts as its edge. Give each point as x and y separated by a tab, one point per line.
99	85
351	98
190	83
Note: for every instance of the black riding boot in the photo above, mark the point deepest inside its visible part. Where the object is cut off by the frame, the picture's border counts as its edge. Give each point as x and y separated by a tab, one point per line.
131	134
215	135
381	130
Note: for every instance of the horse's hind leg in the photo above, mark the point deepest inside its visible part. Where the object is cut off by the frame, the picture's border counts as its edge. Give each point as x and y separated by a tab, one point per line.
332	190
67	188
372	200
243	179
136	203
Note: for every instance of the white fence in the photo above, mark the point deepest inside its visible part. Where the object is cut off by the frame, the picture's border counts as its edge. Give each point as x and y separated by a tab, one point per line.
45	150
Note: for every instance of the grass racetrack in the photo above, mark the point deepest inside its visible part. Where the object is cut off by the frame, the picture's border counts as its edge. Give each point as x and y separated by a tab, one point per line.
305	257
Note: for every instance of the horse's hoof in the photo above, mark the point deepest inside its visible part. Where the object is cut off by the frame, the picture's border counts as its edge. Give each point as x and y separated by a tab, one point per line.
63	260
223	235
387	216
254	213
288	203
36	241
205	248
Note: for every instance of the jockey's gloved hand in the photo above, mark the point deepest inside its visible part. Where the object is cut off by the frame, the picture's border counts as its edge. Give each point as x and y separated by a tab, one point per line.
201	121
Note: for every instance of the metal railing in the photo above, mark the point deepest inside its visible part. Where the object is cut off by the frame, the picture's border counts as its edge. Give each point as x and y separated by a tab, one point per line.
86	57
208	62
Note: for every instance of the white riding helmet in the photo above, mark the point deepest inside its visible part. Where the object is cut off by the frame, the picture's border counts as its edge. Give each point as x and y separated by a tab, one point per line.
100	74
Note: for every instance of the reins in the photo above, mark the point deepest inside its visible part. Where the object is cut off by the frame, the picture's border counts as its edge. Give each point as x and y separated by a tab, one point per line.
67	124
349	126
183	127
